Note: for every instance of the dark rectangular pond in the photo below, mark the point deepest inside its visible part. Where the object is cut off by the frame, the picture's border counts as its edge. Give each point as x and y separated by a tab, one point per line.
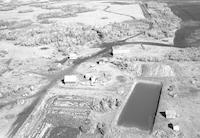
141	107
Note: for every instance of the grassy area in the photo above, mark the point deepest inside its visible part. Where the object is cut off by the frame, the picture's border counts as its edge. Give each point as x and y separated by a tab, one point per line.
14	24
54	15
7	7
26	11
75	8
66	11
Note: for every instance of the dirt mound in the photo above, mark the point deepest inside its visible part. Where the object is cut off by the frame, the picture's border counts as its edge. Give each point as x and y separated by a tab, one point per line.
157	70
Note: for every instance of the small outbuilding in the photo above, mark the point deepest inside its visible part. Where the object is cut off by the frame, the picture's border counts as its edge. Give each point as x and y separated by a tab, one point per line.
70	79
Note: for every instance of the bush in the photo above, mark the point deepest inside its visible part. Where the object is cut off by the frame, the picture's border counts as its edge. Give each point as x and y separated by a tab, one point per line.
7	7
54	15
26	11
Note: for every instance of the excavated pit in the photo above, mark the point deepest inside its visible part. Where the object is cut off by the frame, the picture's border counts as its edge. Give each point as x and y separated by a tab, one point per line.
63	116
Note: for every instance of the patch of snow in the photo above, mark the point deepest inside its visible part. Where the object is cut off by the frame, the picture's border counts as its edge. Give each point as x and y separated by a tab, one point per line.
94	18
20	52
133	10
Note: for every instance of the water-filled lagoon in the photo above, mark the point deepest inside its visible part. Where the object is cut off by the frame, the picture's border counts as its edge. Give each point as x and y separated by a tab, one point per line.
141	106
189	33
